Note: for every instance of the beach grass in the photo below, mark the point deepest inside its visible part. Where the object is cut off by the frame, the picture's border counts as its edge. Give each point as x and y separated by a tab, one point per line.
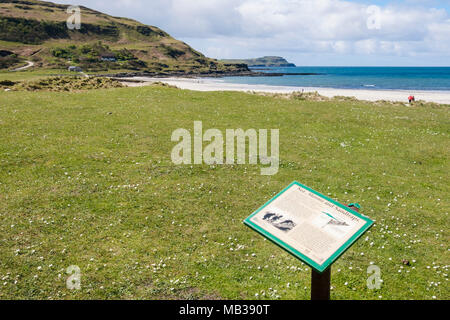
86	179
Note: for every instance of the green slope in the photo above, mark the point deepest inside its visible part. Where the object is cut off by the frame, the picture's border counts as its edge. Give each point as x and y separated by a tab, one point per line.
35	30
269	61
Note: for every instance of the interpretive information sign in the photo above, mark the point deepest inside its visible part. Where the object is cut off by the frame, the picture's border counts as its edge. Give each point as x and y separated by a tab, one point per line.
309	225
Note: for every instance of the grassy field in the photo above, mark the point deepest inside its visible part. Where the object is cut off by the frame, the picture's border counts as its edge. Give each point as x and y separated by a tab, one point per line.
86	179
28	75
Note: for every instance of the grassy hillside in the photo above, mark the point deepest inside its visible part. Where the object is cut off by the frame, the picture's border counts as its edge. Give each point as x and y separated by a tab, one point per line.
86	179
35	29
268	61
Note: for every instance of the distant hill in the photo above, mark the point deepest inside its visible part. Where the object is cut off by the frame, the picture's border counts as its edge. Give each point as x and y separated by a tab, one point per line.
269	61
36	30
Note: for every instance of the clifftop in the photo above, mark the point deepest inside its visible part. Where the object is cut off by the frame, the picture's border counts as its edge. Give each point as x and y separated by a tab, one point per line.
269	61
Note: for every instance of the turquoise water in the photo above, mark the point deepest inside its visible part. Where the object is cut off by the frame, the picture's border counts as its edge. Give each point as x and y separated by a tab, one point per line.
391	78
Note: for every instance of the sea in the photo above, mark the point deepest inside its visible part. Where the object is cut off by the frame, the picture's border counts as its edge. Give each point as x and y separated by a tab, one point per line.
371	78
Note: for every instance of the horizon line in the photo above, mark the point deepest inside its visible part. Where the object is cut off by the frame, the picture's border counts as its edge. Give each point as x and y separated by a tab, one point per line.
363	66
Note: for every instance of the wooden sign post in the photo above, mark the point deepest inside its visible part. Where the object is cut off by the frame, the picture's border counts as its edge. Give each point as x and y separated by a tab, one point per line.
312	227
320	284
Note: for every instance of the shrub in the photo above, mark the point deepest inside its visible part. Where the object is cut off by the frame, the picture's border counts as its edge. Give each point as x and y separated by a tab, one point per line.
9	61
31	31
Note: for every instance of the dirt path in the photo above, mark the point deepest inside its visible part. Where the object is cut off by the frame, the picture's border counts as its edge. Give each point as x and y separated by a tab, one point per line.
29	65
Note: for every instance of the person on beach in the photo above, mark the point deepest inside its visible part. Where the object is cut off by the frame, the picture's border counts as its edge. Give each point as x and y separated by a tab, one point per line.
411	99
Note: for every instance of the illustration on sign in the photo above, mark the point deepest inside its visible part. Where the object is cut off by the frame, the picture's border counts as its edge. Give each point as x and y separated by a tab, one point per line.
311	226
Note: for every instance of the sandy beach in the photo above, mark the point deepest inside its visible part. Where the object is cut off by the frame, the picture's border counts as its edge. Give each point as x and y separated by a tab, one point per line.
204	84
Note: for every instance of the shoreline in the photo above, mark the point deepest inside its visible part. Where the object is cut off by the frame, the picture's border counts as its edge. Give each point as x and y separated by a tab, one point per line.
206	84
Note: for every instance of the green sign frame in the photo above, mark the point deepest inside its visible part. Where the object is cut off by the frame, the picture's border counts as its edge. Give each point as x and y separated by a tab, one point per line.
342	249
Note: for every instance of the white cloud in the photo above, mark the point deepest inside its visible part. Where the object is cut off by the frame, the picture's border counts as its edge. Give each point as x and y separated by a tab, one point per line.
232	28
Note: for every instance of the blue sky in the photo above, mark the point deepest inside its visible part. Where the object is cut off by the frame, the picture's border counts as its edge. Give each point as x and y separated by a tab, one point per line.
306	32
